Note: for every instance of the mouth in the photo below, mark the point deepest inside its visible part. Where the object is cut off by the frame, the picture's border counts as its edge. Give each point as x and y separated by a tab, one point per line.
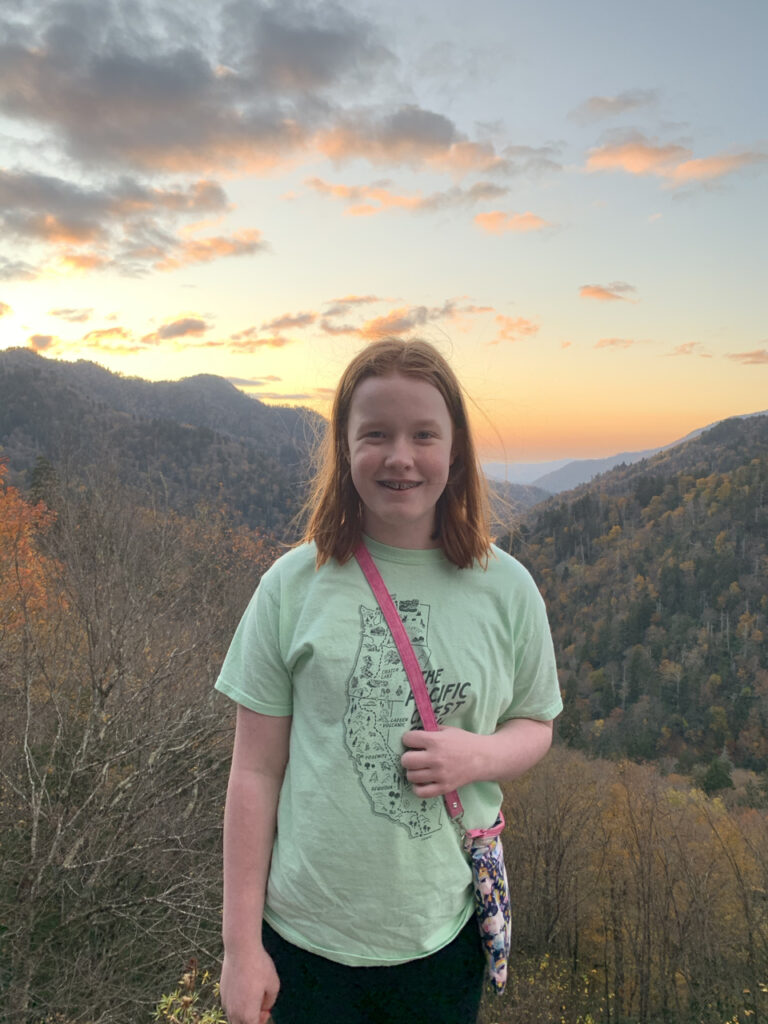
399	485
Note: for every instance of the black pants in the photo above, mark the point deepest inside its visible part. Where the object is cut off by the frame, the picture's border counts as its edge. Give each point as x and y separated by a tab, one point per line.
444	988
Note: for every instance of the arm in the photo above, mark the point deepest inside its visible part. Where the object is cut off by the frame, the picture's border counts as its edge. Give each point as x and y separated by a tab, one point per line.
438	762
249	982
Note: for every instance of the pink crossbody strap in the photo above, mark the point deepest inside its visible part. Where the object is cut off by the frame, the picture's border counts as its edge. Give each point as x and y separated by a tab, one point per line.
407	654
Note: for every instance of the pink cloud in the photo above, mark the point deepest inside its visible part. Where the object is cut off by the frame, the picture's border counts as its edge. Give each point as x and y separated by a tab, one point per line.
690	348
5	309
759	357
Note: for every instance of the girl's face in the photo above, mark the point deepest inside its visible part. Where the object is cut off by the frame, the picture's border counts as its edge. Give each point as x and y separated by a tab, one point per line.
400	438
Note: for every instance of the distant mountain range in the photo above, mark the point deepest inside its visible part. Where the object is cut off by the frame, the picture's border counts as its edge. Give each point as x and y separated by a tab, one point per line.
189	440
563	474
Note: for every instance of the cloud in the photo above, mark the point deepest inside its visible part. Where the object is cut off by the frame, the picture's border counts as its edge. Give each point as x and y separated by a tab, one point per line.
396	322
673	163
616	291
253	382
184	327
73	316
5	309
410	135
242	85
376	198
16	270
205	250
689	348
341	306
41	342
513	328
288	320
637	156
615	343
597	107
496	222
37	207
95	338
125	225
709	168
759	357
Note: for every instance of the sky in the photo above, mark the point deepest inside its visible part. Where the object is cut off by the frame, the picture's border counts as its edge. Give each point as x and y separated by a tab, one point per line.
568	200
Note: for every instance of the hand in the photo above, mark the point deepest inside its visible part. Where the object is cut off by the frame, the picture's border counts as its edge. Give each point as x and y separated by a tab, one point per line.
249	987
436	763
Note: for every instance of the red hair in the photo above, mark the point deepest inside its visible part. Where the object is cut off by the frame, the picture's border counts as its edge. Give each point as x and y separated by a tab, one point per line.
335	511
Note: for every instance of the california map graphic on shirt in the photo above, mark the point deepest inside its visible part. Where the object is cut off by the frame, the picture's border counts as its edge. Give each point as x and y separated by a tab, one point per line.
379	708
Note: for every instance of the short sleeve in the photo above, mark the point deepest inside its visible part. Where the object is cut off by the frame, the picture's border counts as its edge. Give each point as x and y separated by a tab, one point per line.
254	673
536	689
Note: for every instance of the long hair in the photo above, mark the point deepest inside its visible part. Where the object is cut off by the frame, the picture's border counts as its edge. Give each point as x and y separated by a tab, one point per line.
335	510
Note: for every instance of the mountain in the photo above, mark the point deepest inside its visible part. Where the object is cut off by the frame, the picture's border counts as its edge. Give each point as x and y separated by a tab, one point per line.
198	438
565	474
654	575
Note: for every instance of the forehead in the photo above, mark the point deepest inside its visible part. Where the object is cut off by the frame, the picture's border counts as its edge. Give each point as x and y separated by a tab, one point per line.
397	395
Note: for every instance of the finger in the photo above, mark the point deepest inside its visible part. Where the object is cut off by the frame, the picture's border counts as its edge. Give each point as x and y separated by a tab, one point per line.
416	738
429	789
414	759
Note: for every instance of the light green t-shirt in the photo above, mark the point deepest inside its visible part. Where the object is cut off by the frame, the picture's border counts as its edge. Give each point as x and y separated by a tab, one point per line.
363	872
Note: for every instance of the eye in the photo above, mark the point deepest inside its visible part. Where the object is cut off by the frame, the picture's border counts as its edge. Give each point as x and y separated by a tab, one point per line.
424	435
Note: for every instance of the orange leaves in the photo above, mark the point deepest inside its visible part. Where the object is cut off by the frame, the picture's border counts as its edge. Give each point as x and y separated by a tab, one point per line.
23	569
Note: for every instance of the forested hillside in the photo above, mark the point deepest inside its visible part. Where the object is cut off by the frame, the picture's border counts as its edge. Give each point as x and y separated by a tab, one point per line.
655	578
193	439
637	898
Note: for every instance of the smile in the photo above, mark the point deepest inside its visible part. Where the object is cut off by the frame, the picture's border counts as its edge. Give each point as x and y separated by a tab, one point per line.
399	485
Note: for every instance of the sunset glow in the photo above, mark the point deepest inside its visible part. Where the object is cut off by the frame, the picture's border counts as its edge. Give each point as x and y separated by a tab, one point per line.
570	207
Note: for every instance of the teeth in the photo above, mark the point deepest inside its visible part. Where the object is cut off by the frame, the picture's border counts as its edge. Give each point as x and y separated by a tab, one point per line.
399	485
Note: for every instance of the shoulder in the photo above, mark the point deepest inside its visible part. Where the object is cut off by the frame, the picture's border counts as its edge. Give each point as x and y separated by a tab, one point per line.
293	562
504	569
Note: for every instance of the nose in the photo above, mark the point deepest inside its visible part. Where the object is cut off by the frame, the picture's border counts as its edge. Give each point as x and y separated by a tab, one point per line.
399	454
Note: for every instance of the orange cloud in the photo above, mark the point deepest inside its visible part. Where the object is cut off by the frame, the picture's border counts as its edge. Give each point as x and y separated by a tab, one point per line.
708	168
95	337
398	321
613	292
513	328
615	343
497	222
758	357
82	262
377	198
674	163
5	309
204	250
636	157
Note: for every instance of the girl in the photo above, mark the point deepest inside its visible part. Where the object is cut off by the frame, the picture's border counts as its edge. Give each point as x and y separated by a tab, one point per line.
345	886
